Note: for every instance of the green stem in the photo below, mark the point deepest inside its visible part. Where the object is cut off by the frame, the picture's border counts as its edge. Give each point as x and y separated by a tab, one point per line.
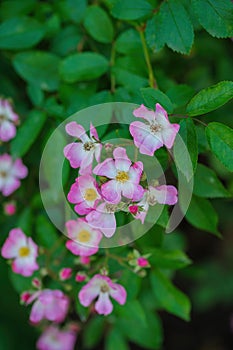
152	80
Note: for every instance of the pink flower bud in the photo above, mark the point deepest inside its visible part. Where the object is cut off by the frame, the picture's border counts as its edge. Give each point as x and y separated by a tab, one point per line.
24	297
133	209
36	283
142	262
85	260
80	277
108	147
9	208
65	273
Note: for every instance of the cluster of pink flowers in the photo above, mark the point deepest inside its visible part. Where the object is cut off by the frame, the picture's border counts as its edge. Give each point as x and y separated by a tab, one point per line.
11	170
96	203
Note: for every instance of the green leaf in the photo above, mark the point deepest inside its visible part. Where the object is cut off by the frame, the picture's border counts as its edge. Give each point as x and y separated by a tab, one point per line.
35	94
115	340
66	41
98	24
46	234
155	34
25	221
39	68
148	334
83	66
180	94
216	16
153	96
19	282
130	80
211	98
128	42
220	138
93	332
132	310
176	26
15	8
168	259
206	183
27	133
20	33
76	10
133	287
131	10
182	159
169	297
202	215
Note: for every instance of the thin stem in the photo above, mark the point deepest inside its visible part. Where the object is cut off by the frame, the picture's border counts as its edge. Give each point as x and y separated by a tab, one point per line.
200	121
152	80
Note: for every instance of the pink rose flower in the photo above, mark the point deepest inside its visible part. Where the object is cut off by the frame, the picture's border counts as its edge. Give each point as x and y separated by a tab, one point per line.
81	154
84	239
160	194
124	176
8	120
49	304
22	250
10	208
65	273
103	219
10	174
84	193
156	132
103	288
54	338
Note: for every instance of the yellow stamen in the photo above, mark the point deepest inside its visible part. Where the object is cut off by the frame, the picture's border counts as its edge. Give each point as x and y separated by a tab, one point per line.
83	236
104	288
122	176
24	251
90	194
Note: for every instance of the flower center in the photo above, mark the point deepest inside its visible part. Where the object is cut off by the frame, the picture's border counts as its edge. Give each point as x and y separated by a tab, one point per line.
104	288
2	118
111	208
24	251
88	146
152	200
3	174
154	128
122	176
90	194
83	236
